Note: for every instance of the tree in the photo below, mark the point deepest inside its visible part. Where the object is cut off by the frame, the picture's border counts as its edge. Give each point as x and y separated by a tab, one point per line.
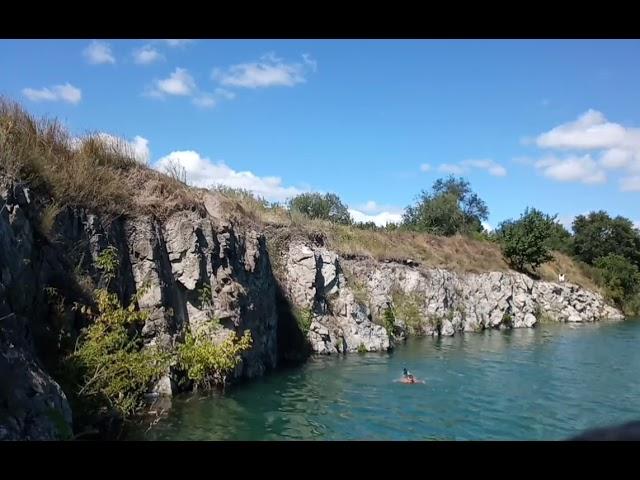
619	276
560	239
525	242
325	207
598	235
450	208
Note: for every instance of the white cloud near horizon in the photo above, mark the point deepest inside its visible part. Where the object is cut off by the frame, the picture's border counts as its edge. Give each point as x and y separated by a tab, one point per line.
63	93
146	55
99	53
204	172
268	71
425	167
138	147
380	219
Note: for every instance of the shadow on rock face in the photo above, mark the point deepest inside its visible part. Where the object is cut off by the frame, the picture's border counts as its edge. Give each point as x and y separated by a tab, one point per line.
293	346
624	432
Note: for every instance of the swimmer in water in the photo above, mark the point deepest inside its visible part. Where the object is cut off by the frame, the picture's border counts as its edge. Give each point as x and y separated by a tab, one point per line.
408	377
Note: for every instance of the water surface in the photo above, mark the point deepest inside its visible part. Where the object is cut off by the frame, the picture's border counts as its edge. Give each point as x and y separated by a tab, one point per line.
545	383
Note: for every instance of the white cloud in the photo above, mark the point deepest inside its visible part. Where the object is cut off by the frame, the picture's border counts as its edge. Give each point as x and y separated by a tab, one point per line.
572	169
493	168
205	100
487	226
178	43
616	158
630	184
141	148
210	100
226	94
620	145
636	224
203	172
178	83
379	219
269	71
490	166
425	167
451	168
64	93
98	52
590	131
146	55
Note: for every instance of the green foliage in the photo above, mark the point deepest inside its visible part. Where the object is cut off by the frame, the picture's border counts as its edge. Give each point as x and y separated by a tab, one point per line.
525	241
108	262
324	207
451	208
304	317
620	278
408	309
367	226
598	235
115	370
389	320
204	296
208	364
507	320
560	239
362	348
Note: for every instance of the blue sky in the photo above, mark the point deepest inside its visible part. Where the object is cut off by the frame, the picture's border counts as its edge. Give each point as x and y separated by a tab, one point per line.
550	124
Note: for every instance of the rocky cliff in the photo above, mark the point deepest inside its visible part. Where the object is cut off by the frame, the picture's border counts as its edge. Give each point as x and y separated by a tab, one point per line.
201	266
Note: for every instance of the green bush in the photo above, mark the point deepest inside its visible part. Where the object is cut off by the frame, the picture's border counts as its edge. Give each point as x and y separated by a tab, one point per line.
389	320
620	278
407	308
525	241
323	207
450	208
115	371
108	262
304	317
362	348
208	364
598	235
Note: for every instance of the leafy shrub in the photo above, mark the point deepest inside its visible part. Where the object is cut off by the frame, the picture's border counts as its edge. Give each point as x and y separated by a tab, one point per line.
620	278
324	207
115	370
525	241
208	364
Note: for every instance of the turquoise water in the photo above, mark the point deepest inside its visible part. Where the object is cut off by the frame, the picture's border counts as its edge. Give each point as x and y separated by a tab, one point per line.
546	383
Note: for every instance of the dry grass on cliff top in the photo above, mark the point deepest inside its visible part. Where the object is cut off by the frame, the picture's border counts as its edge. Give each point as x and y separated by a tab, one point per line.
94	172
458	253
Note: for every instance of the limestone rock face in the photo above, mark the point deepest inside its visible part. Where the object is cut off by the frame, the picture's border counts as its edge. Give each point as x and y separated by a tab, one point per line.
472	302
315	284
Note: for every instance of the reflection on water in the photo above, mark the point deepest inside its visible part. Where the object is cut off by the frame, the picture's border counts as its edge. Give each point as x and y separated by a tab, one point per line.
544	383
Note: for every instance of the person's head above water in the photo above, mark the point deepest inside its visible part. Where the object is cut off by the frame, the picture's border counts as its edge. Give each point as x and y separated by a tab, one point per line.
405	372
